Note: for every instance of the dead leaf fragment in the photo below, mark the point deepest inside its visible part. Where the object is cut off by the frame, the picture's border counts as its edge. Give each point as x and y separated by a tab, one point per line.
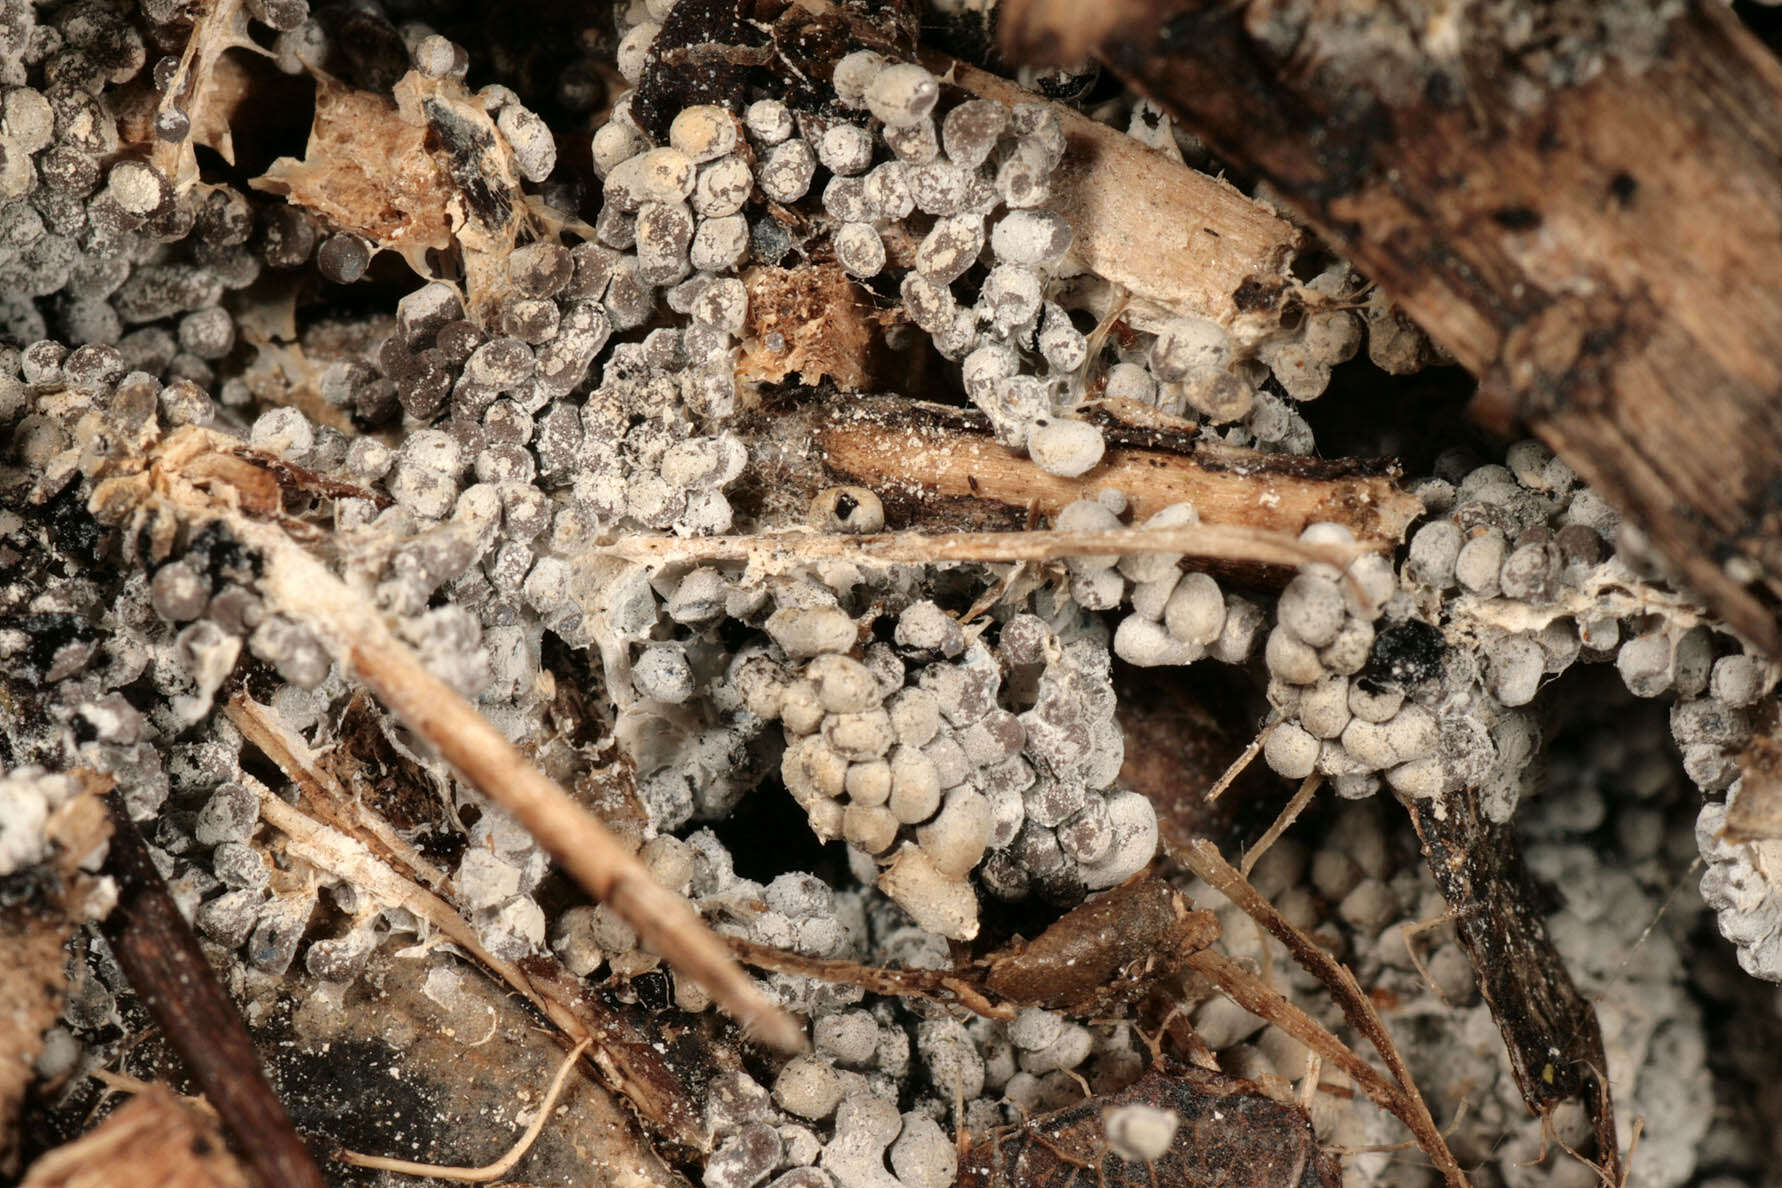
1229	1134
810	322
367	170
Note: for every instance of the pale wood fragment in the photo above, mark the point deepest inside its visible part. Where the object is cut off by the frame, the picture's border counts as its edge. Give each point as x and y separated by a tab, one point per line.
1178	241
152	1141
1600	253
916	455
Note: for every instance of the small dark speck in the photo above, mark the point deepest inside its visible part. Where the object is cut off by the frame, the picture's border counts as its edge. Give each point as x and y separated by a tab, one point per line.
1516	218
1211	232
972	482
655	990
1622	188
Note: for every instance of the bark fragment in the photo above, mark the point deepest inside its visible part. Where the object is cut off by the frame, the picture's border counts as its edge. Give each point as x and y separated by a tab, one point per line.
1551	1030
1587	223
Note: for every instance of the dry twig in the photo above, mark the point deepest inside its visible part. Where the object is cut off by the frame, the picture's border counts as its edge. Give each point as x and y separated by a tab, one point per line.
769	551
1204	859
303	588
1308	788
938	466
158	953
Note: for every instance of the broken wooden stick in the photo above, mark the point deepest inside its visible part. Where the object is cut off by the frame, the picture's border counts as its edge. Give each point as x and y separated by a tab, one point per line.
1593	232
933	464
1550	1030
298	585
156	950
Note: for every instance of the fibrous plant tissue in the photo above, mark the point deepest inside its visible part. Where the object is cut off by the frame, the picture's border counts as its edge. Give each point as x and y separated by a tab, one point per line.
523	301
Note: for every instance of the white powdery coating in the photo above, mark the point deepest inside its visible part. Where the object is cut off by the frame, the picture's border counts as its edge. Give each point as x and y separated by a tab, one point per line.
1516	665
614	143
853	74
811	631
1144	642
1140	1132
950	247
721	187
704	132
845	149
1134	822
1291	751
1645	664
135	186
1312	608
663	175
1748	906
786	171
1290	659
1187	344
902	95
1195	612
808	1088
634	50
1065	448
1034	238
1434	551
923	1156
535	149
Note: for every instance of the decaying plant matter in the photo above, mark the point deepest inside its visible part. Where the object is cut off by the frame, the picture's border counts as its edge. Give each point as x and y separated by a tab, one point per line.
1577	211
712	585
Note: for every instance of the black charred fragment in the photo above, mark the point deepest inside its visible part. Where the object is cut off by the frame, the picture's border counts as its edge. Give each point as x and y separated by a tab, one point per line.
467	147
1549	1028
670	84
1516	218
46	634
72	528
1404	654
221	558
1254	295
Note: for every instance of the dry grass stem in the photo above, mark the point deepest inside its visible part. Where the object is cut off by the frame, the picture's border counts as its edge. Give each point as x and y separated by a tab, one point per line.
1222	542
323	793
349	859
298	585
1307	789
1242	762
939	985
